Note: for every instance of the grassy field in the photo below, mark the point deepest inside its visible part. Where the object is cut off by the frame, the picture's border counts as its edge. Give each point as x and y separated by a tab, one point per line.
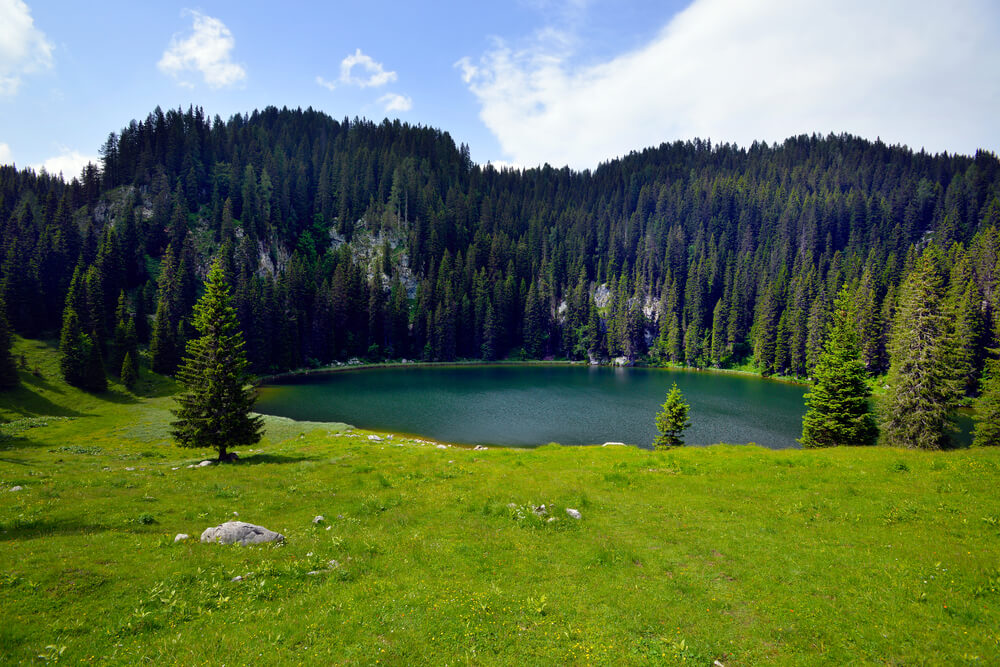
738	554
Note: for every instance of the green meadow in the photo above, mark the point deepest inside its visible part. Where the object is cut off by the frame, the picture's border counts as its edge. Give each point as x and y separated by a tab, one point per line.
740	555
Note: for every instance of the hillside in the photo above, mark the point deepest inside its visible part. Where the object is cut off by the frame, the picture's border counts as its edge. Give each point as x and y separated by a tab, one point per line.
354	239
738	554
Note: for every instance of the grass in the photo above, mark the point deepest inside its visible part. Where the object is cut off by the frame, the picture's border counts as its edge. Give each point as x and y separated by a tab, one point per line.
738	554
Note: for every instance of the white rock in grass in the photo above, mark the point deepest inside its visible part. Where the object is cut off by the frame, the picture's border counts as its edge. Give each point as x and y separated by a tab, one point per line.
15	489
205	463
180	537
480	448
238	532
375	438
573	513
318	519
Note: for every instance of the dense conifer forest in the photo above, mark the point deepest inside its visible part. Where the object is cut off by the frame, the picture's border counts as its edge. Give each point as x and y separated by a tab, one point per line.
354	239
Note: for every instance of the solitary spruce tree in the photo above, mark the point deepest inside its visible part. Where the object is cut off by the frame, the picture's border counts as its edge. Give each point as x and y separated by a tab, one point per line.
672	420
214	412
838	401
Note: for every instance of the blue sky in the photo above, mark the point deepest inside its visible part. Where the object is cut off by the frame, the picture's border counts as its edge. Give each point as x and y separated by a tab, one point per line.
571	82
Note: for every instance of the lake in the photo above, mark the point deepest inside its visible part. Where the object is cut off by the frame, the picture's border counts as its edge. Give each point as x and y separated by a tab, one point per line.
530	405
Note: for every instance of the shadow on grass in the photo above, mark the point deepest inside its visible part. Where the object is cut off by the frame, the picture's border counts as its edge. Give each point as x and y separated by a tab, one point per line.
258	459
9	442
39	381
26	529
26	402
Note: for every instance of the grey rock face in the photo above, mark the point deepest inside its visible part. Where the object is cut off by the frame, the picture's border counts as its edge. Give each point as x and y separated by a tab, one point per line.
238	532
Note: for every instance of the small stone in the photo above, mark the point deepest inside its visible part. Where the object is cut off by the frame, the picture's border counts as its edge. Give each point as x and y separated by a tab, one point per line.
550	519
340	516
613	444
238	577
15	489
318	519
313	572
180	537
177	468
236	513
329	527
130	468
480	448
573	513
334	564
375	438
204	464
442	446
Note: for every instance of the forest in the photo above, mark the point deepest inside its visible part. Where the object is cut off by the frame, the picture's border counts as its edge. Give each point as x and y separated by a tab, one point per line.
353	239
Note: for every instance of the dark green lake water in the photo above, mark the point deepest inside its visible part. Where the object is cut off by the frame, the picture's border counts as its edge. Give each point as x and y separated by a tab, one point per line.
525	406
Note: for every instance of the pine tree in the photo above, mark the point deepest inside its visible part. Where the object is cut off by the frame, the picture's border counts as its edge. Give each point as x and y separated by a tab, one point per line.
74	348
838	401
215	410
8	368
918	411
129	371
672	420
987	429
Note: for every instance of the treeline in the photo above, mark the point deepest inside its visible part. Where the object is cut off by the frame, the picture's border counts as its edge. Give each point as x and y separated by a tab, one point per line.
354	239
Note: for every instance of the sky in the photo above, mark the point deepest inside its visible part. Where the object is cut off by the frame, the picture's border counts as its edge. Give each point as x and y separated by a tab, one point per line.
523	83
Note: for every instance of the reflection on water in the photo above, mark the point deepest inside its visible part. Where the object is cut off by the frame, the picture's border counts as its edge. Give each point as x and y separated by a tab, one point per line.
525	406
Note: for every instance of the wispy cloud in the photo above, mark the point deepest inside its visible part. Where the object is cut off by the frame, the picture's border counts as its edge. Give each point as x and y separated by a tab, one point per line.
912	71
6	156
206	50
69	163
329	85
394	102
23	47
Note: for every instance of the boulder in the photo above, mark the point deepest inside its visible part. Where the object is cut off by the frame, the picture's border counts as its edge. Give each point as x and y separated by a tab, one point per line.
573	513
180	537
238	532
16	488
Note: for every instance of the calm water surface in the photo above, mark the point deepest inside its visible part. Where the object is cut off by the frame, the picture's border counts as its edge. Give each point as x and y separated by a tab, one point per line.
525	406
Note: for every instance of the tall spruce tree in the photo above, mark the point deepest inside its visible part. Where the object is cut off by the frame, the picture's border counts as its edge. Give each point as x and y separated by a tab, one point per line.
215	410
987	429
837	403
918	411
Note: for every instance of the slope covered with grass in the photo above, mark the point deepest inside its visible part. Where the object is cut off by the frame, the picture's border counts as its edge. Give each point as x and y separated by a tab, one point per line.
426	554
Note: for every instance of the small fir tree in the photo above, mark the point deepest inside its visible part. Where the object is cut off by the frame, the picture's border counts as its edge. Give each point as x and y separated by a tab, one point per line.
672	420
74	346
215	411
838	401
129	371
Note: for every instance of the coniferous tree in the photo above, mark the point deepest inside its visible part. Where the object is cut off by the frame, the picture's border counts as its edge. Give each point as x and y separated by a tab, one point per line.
74	348
672	420
8	368
987	428
837	403
918	411
215	409
129	372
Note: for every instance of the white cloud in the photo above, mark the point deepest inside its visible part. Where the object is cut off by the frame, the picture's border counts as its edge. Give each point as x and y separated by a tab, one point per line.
6	156
394	102
376	74
919	72
23	47
329	85
69	163
206	50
